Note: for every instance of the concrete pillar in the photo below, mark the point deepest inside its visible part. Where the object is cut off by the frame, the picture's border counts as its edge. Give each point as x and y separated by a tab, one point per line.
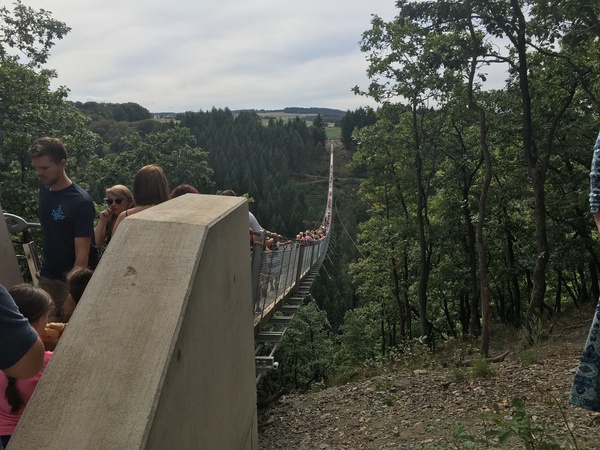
10	273
159	353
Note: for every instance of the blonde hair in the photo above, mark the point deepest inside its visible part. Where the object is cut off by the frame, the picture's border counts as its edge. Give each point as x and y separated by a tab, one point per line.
121	191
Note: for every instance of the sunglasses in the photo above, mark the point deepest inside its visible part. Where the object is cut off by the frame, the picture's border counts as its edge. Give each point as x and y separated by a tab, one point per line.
109	201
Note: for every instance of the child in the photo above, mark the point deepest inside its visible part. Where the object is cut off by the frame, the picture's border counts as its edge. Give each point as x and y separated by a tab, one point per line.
35	304
77	280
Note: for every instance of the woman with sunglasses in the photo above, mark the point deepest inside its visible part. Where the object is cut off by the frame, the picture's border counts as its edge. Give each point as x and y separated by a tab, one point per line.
118	199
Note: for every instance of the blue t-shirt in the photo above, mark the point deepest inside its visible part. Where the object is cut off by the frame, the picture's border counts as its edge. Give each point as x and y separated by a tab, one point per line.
65	215
16	335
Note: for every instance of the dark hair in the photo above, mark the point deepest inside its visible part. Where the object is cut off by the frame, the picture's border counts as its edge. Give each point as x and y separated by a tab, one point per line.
77	280
150	186
183	189
33	303
47	146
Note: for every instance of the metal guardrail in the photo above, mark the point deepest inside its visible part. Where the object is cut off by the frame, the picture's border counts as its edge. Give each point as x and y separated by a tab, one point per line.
16	225
279	272
281	280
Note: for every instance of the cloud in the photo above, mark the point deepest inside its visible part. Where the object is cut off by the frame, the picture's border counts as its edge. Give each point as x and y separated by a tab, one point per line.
193	55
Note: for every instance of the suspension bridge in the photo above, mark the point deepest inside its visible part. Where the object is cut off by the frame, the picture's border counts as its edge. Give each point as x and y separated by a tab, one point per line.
173	332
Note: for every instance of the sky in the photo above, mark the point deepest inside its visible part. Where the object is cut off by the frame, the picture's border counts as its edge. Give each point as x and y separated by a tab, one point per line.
192	55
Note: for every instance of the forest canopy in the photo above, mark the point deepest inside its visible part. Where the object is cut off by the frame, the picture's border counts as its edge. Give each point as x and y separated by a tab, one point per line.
473	198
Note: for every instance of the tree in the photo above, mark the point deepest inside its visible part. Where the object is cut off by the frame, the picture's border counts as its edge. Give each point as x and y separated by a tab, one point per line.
306	353
30	109
28	32
416	81
352	120
175	150
318	134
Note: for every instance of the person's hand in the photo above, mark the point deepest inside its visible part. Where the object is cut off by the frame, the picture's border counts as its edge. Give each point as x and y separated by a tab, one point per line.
51	335
104	216
68	308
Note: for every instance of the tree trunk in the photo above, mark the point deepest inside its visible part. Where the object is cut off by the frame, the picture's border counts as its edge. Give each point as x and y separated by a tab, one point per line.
423	267
487	180
514	280
474	321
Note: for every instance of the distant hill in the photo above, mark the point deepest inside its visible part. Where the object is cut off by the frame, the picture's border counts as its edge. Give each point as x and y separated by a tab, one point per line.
298	111
327	114
323	111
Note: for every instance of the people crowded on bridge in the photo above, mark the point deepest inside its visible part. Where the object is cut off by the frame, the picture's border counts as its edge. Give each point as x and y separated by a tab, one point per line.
255	229
150	188
118	199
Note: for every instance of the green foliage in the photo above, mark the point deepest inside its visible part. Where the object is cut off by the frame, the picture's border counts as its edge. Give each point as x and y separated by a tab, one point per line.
422	252
417	355
505	429
30	109
317	131
529	356
175	150
248	157
482	369
353	120
30	32
305	355
119	112
360	340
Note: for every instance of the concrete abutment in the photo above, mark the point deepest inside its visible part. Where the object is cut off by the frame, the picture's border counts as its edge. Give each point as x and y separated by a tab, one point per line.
159	353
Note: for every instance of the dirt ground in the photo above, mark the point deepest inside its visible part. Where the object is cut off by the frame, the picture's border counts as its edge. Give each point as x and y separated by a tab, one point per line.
419	408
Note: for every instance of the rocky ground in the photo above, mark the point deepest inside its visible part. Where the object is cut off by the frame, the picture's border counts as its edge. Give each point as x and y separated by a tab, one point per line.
417	409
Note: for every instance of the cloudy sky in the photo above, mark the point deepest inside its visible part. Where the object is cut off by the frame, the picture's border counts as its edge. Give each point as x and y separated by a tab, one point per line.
192	55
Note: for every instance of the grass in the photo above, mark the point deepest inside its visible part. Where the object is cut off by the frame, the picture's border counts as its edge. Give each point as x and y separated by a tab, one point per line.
482	369
333	132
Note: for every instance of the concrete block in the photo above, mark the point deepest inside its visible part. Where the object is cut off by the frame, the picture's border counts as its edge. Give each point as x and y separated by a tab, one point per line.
10	273
159	353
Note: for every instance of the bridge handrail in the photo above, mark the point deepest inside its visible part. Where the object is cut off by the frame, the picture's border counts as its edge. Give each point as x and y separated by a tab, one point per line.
17	224
277	273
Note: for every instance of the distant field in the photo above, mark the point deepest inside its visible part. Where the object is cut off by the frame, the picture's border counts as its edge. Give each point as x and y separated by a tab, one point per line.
282	115
332	131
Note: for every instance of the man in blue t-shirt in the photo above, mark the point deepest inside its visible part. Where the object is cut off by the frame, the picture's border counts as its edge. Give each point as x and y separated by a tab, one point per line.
67	217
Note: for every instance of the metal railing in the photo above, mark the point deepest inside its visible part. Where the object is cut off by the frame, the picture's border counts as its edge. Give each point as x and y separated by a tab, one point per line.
17	225
281	280
278	272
